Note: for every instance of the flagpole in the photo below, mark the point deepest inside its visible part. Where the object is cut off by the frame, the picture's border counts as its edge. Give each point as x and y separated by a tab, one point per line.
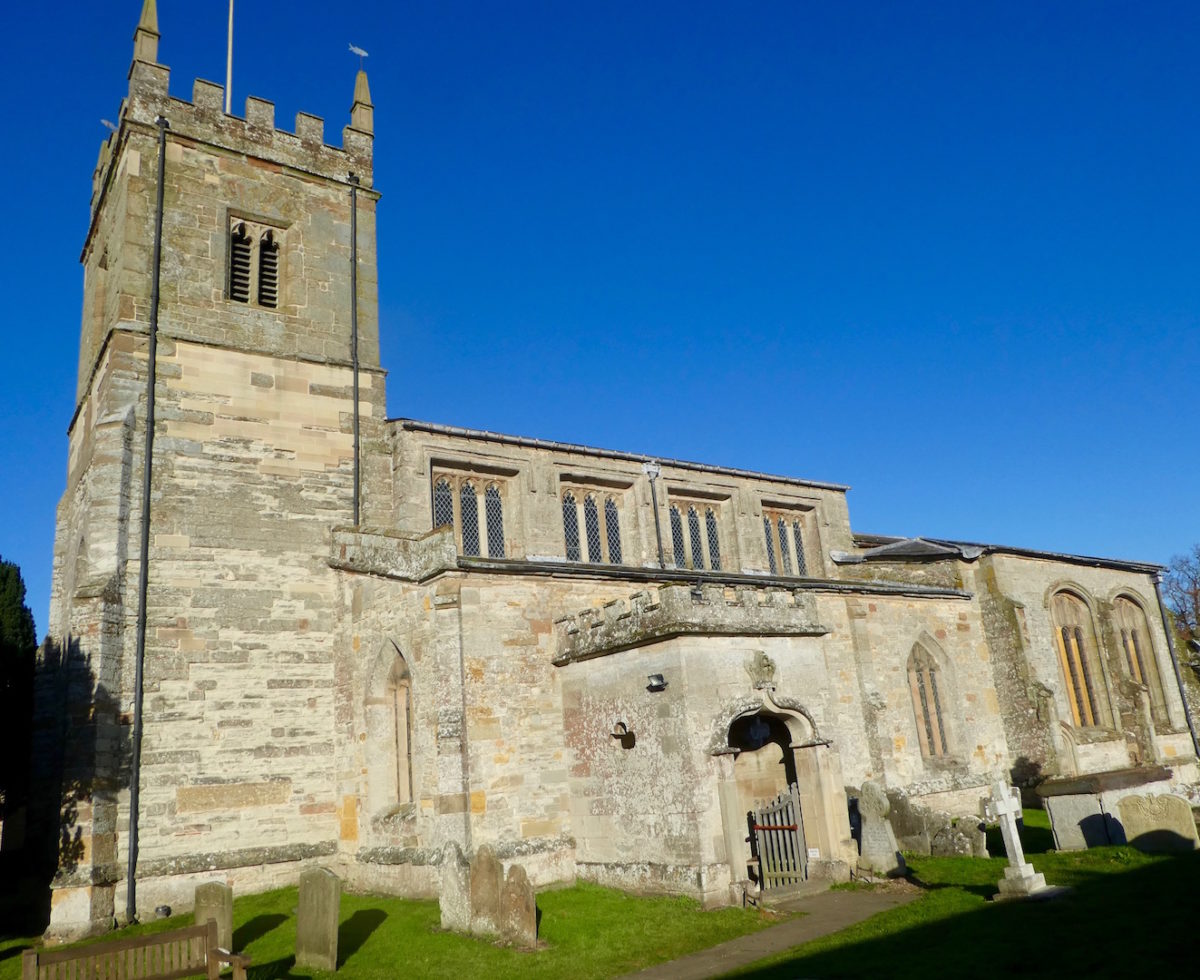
229	64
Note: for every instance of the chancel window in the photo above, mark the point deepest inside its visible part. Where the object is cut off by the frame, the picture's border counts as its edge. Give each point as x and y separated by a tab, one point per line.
254	264
1139	660
478	524
928	694
785	539
695	535
592	526
1080	661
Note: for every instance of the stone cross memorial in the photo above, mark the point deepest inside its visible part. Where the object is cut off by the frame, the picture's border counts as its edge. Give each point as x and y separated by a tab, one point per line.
1019	877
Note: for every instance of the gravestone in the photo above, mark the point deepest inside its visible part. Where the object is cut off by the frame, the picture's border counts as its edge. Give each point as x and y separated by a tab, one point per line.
317	919
1020	879
878	851
1078	822
1158	823
518	909
454	901
214	900
487	876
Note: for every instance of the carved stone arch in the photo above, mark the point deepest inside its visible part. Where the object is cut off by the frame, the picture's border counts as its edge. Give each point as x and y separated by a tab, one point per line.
1078	641
1133	595
1073	588
793	714
388	716
1134	637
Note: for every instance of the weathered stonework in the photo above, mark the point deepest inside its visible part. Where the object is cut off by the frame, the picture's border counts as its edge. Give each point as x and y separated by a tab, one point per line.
609	706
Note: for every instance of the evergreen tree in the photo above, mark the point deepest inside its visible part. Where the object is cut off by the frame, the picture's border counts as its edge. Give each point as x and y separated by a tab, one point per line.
18	648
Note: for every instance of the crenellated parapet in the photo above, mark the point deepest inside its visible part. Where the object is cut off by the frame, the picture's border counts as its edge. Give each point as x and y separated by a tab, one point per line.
254	133
681	610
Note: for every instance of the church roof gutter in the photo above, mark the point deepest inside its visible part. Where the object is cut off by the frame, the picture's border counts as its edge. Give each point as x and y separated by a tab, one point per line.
525	442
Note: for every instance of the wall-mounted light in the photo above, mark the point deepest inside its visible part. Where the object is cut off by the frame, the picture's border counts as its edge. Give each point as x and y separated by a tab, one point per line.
657	683
623	735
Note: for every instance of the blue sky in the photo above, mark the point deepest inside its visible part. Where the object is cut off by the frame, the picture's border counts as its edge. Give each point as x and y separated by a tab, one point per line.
945	253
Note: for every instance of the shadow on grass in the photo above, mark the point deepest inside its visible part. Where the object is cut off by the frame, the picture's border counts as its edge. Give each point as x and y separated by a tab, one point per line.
275	970
1034	839
1074	934
356	930
13	951
256	928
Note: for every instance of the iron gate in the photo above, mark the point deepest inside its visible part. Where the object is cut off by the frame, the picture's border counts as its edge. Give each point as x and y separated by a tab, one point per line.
777	841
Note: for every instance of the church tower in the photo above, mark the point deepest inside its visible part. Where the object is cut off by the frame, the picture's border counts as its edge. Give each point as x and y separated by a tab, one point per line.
263	303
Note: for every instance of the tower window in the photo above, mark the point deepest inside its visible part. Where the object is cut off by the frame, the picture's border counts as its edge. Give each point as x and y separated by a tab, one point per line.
254	264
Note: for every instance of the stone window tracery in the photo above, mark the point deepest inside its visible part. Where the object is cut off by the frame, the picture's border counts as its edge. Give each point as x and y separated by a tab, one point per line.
785	535
597	514
478	532
1138	654
698	545
254	263
1079	660
928	692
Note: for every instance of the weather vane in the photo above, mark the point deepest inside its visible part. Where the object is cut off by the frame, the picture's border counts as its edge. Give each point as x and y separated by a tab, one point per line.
361	55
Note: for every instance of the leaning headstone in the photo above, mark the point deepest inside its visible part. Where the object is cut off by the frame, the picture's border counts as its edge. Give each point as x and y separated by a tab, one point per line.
518	909
961	838
486	878
878	851
1158	823
454	901
317	919
1019	879
214	900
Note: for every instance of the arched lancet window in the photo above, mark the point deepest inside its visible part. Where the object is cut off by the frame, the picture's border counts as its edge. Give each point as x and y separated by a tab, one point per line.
591	524
928	693
714	545
469	514
240	247
1131	624
677	538
494	507
694	538
268	271
612	525
770	546
571	527
400	692
1080	661
443	504
785	556
389	721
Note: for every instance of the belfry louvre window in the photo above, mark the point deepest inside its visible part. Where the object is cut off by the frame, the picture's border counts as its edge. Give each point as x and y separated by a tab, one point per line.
695	535
1080	662
597	515
785	538
1130	622
923	683
478	524
254	264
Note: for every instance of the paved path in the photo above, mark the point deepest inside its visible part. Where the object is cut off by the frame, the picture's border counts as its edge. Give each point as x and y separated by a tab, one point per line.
826	912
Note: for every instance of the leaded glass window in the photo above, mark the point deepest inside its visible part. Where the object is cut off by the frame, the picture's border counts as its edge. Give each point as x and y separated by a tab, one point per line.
785	555
801	561
677	539
1080	662
469	510
714	545
784	533
591	526
443	504
694	538
612	525
571	526
495	521
770	536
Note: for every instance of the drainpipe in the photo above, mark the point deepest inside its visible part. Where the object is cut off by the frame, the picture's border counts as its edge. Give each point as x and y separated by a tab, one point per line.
354	327
1187	712
135	764
651	469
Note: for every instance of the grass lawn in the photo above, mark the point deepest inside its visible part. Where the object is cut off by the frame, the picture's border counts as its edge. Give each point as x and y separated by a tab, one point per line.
1128	914
589	932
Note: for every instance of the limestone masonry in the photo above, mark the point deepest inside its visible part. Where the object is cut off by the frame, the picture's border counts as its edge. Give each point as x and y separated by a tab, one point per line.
594	666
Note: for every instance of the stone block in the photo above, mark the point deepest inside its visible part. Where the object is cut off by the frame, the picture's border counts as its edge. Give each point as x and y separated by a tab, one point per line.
214	900
518	909
1158	823
317	919
454	899
486	880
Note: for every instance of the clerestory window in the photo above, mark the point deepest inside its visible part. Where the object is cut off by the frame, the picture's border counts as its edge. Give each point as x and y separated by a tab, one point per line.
787	542
695	535
474	507
592	526
254	264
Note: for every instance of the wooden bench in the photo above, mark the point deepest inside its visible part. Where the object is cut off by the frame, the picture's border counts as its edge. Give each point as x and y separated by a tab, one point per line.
189	952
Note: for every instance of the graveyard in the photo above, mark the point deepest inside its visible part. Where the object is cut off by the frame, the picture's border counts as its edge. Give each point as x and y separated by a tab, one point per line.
1115	911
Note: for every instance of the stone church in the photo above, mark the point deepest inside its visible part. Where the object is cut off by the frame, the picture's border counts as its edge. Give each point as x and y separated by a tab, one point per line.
364	637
